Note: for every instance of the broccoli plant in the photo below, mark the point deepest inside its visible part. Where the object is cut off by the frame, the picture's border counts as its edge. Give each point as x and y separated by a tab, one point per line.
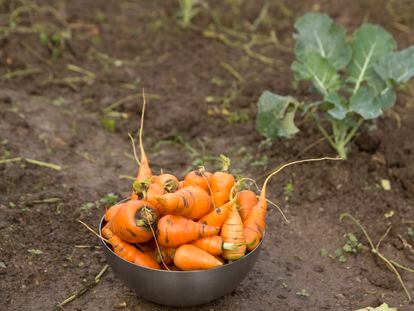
356	80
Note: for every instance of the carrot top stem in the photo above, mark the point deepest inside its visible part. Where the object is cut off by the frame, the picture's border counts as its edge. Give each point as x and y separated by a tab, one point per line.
140	188
145	217
170	186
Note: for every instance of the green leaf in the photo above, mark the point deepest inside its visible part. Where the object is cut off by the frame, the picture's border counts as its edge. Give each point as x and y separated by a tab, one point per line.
275	116
369	43
109	199
339	110
369	104
352	237
347	248
317	69
317	33
396	66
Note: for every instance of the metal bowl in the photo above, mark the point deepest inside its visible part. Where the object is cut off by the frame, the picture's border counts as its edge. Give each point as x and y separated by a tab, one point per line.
180	288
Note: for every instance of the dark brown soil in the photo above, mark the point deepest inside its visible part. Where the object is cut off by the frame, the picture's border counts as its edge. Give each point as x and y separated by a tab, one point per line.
128	45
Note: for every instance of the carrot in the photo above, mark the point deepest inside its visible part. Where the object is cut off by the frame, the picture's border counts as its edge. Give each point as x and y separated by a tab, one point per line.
149	196
111	212
128	251
217	217
181	184
220	259
174	230
246	199
167	255
232	232
189	257
255	222
212	244
198	178
221	185
144	176
133	220
168	182
191	202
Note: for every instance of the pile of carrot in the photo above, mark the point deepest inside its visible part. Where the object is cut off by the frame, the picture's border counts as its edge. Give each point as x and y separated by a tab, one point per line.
200	222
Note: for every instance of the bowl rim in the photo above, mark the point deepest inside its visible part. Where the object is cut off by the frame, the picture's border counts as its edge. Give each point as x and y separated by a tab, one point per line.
170	271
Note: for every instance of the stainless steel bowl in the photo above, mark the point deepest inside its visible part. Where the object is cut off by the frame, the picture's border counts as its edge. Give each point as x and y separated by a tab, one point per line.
181	288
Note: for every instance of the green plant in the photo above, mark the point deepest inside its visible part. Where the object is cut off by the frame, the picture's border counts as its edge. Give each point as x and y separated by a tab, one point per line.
356	79
352	245
55	43
188	10
109	199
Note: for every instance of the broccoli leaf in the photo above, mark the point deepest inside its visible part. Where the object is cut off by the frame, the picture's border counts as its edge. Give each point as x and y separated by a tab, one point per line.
369	43
396	66
315	68
370	104
317	33
339	109
276	115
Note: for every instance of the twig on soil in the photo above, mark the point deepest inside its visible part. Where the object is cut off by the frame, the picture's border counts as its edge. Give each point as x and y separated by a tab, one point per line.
232	71
44	164
247	48
126	177
21	73
84	289
32	161
81	70
391	264
406	244
4	161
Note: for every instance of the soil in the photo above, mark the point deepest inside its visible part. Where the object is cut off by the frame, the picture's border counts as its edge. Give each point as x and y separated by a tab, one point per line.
197	109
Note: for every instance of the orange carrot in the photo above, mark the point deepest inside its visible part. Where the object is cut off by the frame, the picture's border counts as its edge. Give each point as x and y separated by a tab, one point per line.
198	178
217	217
189	257
144	176
111	212
174	230
149	196
212	244
128	251
220	259
181	184
168	182
232	232
221	185
191	202
133	220
246	199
